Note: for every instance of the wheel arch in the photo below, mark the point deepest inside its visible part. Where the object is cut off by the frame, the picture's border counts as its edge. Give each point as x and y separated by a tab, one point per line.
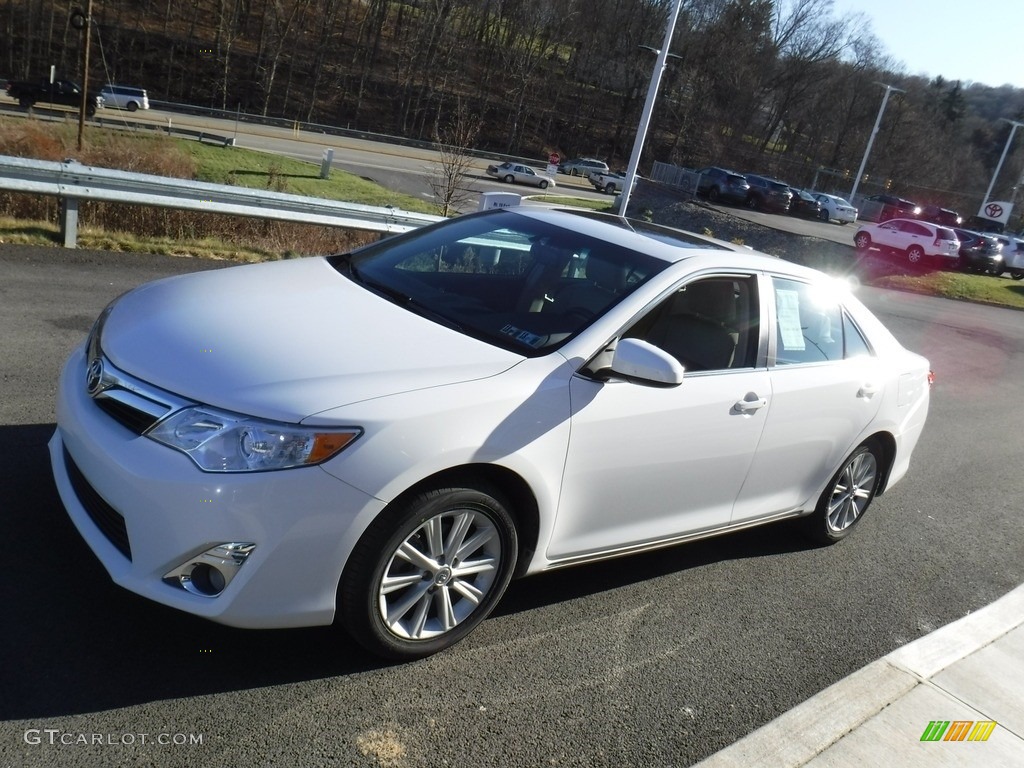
524	509
887	443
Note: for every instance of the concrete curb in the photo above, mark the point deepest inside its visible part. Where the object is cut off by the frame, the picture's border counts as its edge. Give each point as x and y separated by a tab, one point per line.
802	734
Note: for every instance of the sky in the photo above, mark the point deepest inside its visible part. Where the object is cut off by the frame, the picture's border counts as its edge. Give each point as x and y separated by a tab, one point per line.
980	41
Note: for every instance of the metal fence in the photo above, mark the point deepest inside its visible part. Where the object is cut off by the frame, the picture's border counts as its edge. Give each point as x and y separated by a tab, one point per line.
72	182
682	179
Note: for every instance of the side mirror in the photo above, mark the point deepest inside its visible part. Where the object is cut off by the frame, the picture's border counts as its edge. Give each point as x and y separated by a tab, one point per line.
641	361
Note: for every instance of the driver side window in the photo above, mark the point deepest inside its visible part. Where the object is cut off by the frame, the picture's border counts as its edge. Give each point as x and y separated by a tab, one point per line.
707	325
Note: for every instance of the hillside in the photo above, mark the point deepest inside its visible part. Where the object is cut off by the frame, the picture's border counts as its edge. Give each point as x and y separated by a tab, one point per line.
781	88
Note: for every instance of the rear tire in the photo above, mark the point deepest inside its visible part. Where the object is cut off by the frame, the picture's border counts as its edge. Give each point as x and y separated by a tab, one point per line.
847	496
915	254
132	106
510	179
427	571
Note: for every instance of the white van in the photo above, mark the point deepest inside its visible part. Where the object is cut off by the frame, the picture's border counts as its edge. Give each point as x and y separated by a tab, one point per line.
124	97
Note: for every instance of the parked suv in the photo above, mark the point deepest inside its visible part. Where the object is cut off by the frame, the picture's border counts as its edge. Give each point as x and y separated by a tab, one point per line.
124	97
885	207
722	184
943	216
918	240
768	193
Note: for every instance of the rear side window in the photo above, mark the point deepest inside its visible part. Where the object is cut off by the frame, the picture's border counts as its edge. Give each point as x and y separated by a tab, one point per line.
945	234
812	327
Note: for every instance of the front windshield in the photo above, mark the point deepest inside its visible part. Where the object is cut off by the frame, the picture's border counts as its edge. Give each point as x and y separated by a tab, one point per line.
521	284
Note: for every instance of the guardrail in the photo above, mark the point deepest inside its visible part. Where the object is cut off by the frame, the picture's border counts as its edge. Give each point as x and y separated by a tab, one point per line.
71	182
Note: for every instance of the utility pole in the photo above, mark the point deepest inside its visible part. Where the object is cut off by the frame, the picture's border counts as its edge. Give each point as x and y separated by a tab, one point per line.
83	21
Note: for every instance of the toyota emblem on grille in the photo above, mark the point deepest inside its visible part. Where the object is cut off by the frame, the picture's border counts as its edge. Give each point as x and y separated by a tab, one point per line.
94	377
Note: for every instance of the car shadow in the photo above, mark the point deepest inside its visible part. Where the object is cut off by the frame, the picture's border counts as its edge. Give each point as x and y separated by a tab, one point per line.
873	265
580	581
77	643
1016	288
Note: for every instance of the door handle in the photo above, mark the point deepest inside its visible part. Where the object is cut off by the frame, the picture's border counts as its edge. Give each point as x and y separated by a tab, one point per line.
749	406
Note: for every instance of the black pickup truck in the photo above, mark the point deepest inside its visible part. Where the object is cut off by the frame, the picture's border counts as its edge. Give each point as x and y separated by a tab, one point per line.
58	92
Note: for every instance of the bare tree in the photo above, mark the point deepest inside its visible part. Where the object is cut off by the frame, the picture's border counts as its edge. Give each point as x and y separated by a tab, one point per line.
452	140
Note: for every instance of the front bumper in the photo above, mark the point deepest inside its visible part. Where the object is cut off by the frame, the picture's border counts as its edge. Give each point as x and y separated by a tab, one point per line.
144	509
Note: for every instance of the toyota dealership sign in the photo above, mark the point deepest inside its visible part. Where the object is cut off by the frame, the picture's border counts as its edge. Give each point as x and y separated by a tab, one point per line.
996	210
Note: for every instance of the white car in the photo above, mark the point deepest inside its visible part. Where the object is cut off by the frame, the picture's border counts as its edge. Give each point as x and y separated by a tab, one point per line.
917	240
125	97
516	173
835	208
383	439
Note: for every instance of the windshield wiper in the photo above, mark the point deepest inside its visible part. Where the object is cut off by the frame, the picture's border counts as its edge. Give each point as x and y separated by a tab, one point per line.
411	303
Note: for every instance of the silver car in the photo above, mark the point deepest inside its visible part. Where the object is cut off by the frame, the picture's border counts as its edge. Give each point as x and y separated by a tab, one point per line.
514	173
583	166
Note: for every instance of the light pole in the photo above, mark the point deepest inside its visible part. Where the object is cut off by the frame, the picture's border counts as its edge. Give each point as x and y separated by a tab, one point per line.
871	140
999	165
645	117
81	21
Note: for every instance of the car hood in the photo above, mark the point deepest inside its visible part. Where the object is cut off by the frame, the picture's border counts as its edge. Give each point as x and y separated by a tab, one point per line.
285	340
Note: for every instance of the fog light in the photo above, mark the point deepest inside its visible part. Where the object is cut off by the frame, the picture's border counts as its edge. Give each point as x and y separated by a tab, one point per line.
209	573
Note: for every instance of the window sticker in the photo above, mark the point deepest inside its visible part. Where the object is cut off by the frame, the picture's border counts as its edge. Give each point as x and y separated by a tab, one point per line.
787	306
524	337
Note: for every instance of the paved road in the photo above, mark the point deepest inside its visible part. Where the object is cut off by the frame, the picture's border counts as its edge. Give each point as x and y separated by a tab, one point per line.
660	659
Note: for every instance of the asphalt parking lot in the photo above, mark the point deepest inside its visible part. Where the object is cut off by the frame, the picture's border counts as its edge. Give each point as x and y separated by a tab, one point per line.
660	659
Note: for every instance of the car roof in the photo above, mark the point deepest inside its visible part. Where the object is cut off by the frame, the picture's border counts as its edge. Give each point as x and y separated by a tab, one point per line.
666	243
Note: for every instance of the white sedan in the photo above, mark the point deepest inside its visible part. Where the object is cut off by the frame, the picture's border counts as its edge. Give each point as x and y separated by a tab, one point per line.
383	439
835	208
516	173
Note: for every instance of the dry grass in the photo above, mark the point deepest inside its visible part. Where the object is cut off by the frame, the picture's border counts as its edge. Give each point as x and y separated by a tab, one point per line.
33	219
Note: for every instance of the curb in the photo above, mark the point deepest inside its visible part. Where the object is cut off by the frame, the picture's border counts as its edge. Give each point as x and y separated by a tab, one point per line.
801	734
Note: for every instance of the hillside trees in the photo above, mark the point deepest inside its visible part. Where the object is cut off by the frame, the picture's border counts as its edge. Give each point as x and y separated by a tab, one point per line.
778	86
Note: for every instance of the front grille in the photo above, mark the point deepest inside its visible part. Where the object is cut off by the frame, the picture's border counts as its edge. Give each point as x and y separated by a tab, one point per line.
125	415
106	518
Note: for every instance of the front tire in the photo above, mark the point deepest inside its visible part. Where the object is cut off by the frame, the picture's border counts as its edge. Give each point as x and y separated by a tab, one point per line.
823	215
847	496
543	185
862	241
428	571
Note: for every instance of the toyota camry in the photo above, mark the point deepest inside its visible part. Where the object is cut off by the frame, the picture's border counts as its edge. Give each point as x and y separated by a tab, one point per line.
382	439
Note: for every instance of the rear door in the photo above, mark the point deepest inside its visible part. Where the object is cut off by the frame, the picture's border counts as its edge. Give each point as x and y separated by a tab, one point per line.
826	387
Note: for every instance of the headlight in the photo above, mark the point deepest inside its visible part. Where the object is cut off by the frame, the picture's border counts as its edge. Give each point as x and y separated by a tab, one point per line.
220	441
